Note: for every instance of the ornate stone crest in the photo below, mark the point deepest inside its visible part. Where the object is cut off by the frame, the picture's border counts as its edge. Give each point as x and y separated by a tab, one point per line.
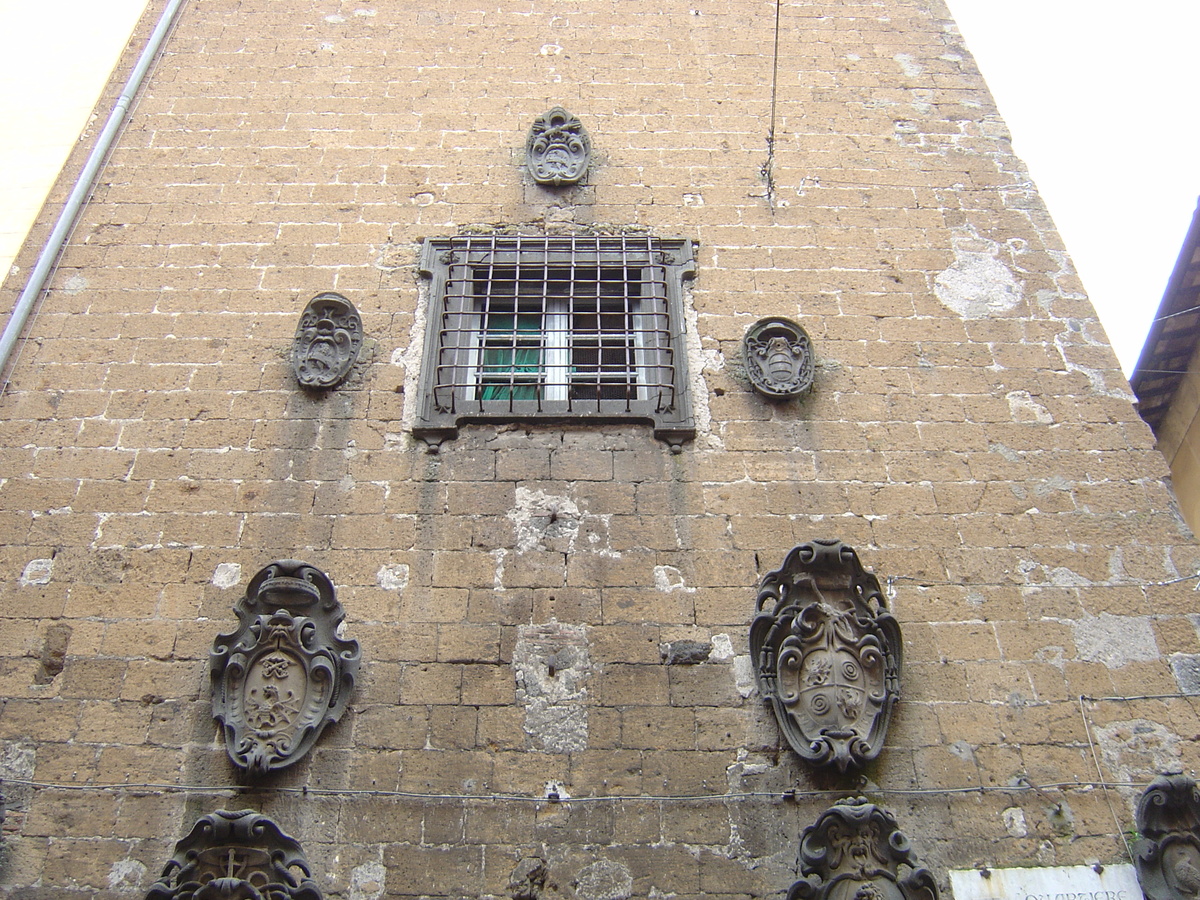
854	852
236	856
779	358
284	674
558	149
1167	858
827	654
327	341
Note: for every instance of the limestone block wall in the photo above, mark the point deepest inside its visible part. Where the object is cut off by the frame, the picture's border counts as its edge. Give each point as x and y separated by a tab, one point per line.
969	433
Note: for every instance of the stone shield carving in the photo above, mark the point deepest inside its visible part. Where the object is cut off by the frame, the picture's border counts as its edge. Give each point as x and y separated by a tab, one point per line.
1167	858
827	654
327	341
558	150
236	856
284	674
779	358
854	852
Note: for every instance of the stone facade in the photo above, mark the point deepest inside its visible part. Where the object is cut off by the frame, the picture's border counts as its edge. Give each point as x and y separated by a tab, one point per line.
555	697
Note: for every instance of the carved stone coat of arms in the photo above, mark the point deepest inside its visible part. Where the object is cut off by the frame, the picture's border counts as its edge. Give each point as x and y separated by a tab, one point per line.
854	852
236	856
1167	857
284	674
328	338
558	150
827	654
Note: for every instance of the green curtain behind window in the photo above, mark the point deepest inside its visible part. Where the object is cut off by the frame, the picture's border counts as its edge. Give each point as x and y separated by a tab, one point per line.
512	357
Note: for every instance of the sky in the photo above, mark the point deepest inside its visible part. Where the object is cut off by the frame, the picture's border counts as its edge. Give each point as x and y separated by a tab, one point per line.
1100	98
1096	95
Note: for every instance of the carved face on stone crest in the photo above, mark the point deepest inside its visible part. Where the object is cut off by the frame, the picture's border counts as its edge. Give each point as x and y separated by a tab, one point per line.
854	851
327	341
236	856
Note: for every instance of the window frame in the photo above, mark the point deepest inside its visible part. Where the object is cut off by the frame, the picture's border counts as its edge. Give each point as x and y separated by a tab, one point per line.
550	274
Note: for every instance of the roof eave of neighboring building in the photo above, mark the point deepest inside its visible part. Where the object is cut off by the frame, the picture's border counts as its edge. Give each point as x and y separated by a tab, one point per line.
1174	334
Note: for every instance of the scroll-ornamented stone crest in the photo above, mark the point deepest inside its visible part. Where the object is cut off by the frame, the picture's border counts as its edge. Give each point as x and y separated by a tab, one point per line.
558	149
827	654
236	856
779	358
284	674
1167	857
854	852
327	341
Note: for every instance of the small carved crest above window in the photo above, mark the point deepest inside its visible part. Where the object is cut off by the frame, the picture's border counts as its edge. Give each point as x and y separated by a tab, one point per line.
779	358
236	855
558	149
827	654
327	342
854	852
1167	858
284	674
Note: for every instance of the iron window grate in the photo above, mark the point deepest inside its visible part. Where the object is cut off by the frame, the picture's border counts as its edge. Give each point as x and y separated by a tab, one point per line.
555	327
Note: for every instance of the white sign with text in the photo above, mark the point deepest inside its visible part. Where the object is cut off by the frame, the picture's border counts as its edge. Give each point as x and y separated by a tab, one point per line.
1118	882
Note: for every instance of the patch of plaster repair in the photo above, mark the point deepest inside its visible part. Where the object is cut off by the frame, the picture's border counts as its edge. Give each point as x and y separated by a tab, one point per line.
1023	408
743	676
669	578
604	880
227	575
1115	641
392	578
1014	821
367	882
1137	750
977	284
17	762
908	65
553	522
126	873
551	664
700	360
37	571
409	358
722	647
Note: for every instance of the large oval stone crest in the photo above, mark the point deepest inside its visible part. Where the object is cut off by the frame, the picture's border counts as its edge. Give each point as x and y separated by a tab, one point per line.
827	654
284	674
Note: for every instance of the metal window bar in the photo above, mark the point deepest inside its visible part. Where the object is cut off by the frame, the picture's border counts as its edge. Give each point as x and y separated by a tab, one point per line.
536	324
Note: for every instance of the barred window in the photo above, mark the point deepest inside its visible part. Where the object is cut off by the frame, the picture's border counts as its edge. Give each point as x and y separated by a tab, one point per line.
566	328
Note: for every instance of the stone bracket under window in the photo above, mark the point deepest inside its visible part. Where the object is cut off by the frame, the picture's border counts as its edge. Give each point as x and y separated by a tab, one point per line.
285	673
567	328
854	852
239	855
827	654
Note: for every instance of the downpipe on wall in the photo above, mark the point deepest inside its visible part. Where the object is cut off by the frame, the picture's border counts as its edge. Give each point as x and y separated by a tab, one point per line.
83	188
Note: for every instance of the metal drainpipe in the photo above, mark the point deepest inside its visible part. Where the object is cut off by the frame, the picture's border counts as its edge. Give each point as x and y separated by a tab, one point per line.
83	187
